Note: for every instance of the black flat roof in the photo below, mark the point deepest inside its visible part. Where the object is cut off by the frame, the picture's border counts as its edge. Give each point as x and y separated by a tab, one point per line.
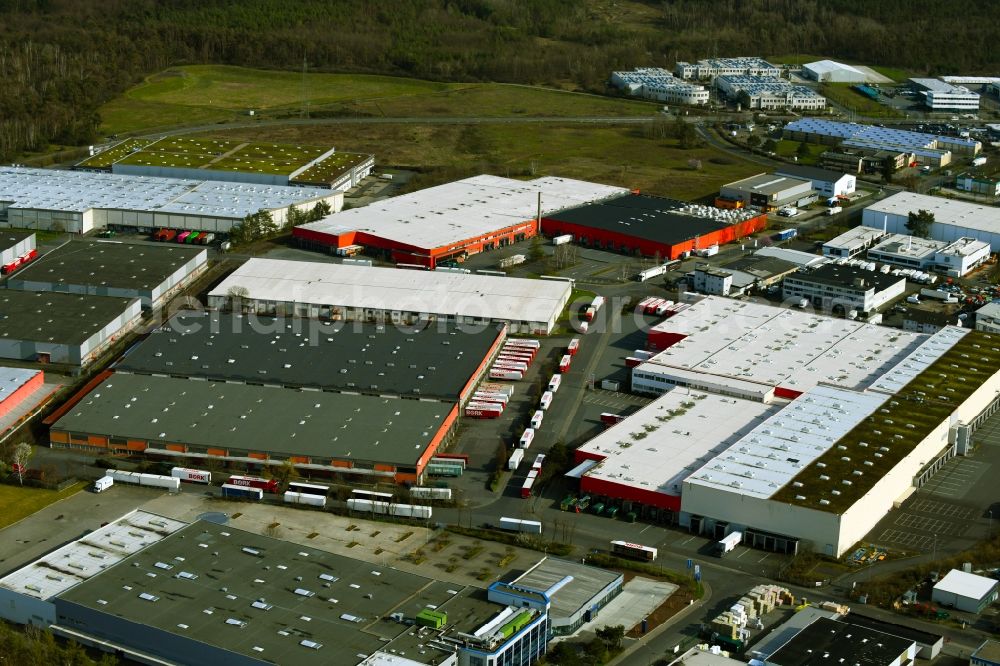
642	216
844	276
900	630
762	266
434	362
810	173
838	643
108	264
11	237
55	318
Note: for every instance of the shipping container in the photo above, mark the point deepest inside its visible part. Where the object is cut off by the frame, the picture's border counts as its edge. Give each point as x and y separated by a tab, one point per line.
524	342
573	347
545	400
481	411
583	327
516	357
267	485
388	509
554	383
504	373
526	487
536	419
650	273
562	240
516	525
485	404
640	307
292	497
182	236
308	488
191	475
527	354
519	349
489	387
431	493
589	313
728	543
206	238
662	308
537	465
444	470
652	305
165	235
193	237
483	396
139	479
516	456
507	364
565	362
526	438
610	385
241	492
607	418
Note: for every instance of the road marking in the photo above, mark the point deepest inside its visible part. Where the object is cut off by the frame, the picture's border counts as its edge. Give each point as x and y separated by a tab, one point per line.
763	558
688	540
745	551
644	529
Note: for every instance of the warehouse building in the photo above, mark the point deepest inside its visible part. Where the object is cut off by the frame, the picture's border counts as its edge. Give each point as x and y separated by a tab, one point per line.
660	85
978	184
18	385
829	71
431	362
941	96
987	654
829	642
269	602
798	257
713	67
642	461
342	292
649	226
707	279
768	93
853	242
953	219
453	221
16	249
988	318
769	192
365	436
232	161
758	351
576	593
927	149
758	271
965	591
62	328
151	274
840	290
826	182
954	259
81	201
820	471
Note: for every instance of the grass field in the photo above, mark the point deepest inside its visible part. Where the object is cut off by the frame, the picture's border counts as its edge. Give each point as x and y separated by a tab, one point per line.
606	154
844	95
894	73
204	94
17	502
791	148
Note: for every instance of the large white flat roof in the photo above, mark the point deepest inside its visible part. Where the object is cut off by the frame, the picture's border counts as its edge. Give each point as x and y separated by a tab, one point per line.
824	66
660	445
853	238
464	209
775	451
434	292
79	191
786	348
794	256
946	211
965	584
88	556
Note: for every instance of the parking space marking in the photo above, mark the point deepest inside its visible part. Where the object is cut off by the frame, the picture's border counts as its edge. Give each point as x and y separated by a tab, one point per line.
942	509
764	558
907	539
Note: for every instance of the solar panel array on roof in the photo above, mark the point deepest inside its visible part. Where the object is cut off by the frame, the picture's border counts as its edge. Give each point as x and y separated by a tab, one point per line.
871	134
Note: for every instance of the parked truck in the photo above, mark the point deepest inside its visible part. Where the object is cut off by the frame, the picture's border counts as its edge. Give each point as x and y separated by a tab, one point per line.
573	346
516	456
562	240
191	475
103	484
939	294
304	498
517	525
728	543
565	362
536	419
267	485
139	479
241	492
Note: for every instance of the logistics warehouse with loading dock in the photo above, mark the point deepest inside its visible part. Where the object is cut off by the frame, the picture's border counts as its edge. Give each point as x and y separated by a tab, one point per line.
156	590
80	201
430	362
652	226
325	433
62	328
151	274
870	418
342	292
452	221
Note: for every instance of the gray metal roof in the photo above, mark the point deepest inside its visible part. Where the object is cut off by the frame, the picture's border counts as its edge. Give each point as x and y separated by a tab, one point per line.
116	265
11	237
244	418
836	642
433	361
56	318
576	595
78	191
205	575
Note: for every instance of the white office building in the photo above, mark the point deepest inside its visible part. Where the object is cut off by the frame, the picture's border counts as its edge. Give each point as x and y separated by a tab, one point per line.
954	259
941	96
713	281
660	85
768	93
840	289
953	219
712	67
853	242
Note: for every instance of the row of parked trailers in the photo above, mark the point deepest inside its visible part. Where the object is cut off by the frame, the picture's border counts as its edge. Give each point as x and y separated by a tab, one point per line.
660	307
536	471
511	364
25	258
185	237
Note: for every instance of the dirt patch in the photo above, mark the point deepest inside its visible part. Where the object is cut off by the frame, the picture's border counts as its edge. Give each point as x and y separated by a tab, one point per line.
673	605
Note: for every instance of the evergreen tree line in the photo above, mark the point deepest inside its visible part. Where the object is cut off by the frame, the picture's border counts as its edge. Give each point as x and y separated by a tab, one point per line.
60	59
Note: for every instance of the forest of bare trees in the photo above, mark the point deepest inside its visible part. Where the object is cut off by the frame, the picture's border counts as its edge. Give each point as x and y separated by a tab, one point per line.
60	59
